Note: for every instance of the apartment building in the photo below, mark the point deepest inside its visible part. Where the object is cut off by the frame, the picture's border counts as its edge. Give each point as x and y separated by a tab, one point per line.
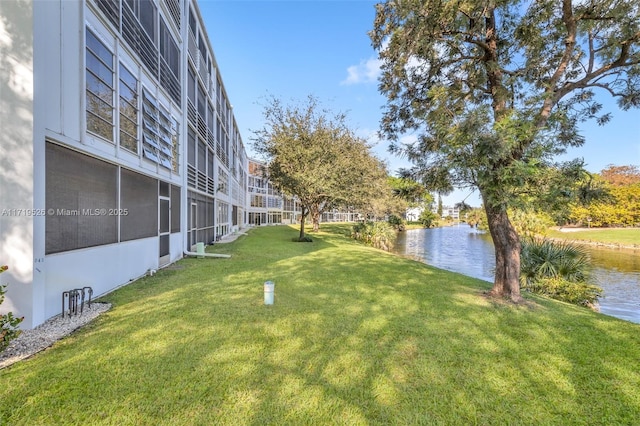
266	205
119	147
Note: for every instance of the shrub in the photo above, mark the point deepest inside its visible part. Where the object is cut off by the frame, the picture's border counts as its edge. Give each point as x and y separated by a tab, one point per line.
396	222
8	322
577	293
377	234
427	218
558	270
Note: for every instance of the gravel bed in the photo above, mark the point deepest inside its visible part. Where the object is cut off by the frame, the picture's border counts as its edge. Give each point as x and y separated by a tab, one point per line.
46	334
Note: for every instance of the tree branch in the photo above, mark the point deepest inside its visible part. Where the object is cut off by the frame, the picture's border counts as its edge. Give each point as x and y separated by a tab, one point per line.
603	71
552	97
591	53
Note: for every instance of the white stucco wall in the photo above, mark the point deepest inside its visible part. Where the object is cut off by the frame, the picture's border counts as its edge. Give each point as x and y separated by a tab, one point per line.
16	155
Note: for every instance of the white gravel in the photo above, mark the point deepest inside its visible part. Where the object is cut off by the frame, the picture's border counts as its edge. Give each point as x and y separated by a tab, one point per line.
46	334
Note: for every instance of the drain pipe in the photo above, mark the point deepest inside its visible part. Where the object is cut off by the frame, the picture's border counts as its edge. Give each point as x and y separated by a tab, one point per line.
201	254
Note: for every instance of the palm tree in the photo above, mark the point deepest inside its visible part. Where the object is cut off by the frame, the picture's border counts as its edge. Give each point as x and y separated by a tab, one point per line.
542	258
559	270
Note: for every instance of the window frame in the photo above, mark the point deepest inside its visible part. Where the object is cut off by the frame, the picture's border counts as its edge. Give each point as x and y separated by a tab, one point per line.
100	57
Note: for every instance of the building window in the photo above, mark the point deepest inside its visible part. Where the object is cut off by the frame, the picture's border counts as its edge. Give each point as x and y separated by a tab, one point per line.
274	202
174	10
175	137
145	11
99	96
165	150
150	134
169	50
202	102
192	21
191	86
222	218
223	181
158	132
258	201
169	63
128	110
80	192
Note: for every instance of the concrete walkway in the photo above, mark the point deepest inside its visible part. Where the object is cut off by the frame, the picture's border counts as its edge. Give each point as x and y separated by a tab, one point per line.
230	237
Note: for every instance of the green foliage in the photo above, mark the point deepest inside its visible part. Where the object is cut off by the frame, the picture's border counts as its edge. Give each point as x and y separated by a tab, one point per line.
577	293
428	218
383	204
559	270
414	193
397	222
621	206
529	223
8	322
477	218
380	235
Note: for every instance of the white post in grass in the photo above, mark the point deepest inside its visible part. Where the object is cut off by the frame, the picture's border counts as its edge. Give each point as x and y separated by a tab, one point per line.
269	290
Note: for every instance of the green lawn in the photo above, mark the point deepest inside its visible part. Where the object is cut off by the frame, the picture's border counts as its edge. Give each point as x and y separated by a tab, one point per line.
618	236
356	336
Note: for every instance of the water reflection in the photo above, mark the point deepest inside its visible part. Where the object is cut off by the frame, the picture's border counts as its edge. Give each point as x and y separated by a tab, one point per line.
457	248
618	273
470	252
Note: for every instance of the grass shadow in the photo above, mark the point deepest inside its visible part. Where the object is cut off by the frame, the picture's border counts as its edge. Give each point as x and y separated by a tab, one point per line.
356	336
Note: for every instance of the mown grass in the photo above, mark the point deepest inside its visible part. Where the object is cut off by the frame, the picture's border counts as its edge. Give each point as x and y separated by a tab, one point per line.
356	336
617	236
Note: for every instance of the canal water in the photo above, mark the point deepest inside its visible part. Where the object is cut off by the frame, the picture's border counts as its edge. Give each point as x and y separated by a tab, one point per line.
470	252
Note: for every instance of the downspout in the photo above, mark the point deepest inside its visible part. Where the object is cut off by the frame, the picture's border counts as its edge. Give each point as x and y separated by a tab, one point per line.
220	255
200	253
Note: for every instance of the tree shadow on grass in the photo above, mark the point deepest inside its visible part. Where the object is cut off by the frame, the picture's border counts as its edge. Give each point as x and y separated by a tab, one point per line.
355	336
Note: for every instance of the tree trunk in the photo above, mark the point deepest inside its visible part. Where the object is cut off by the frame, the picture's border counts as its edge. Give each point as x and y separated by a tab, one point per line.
507	248
315	219
303	216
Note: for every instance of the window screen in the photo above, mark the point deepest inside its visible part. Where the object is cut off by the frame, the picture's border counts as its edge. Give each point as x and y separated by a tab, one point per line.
80	193
175	208
164	189
204	222
191	148
139	196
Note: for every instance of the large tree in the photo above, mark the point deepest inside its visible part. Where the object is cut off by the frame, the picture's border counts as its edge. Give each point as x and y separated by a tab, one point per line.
495	90
314	156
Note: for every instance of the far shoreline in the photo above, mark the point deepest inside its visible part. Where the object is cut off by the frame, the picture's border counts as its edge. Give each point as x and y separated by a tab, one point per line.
597	244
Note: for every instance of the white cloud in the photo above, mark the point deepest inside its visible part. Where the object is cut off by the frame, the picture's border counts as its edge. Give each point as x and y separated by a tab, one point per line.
365	72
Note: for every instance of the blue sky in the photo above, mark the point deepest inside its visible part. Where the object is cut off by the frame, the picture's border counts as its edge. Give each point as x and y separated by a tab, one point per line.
291	49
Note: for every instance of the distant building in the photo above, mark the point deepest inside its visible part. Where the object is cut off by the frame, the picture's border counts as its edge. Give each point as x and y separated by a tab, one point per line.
341	215
266	206
413	213
452	212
